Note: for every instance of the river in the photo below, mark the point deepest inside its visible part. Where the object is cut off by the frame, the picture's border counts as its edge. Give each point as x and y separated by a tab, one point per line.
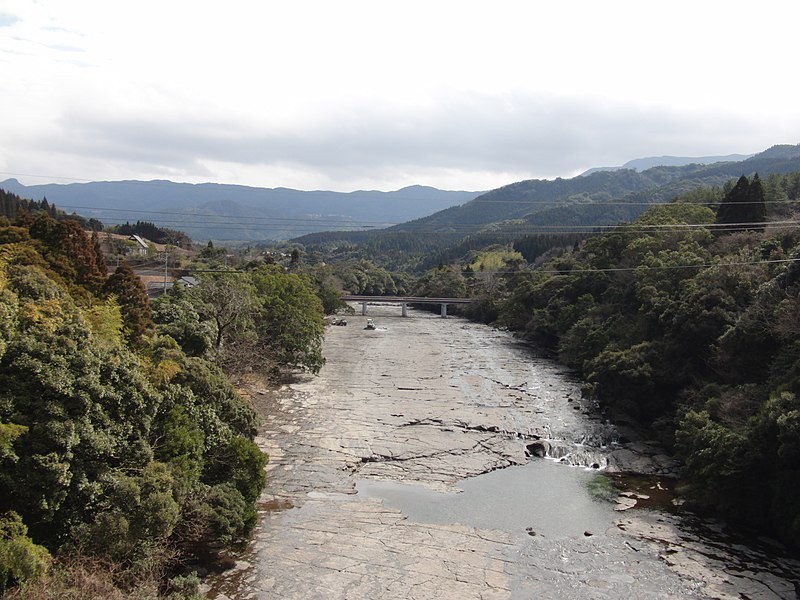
411	467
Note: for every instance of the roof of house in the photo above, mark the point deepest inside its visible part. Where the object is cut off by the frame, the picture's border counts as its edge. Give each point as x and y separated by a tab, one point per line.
139	241
189	280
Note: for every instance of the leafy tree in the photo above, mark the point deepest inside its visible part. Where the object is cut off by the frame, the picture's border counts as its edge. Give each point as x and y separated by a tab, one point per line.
289	321
20	559
176	314
445	282
228	301
131	294
69	250
327	288
108	444
106	322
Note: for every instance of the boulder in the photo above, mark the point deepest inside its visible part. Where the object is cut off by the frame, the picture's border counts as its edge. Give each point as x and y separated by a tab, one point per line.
539	448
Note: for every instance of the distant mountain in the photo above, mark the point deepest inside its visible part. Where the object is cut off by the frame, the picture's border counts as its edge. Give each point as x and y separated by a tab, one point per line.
595	199
642	164
234	212
545	206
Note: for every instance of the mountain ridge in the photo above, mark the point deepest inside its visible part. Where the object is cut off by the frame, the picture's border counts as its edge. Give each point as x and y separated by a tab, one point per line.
237	212
600	198
229	212
642	164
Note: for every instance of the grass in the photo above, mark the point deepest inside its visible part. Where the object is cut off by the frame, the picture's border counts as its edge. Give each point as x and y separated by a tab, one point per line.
601	487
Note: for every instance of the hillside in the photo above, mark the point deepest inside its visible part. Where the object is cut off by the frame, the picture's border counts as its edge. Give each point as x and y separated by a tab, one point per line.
234	212
642	164
601	198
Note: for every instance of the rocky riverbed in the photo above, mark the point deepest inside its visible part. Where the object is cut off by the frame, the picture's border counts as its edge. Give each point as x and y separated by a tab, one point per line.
384	482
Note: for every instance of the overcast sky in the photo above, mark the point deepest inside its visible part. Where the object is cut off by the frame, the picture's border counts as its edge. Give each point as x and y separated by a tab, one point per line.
379	94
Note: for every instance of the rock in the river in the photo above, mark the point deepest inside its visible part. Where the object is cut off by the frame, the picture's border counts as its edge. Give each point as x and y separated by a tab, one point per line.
538	448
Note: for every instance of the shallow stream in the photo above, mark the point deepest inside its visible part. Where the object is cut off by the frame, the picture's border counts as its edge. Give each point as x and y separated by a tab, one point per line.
542	498
410	468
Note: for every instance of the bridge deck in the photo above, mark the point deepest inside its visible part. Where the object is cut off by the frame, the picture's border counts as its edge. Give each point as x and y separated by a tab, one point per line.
404	299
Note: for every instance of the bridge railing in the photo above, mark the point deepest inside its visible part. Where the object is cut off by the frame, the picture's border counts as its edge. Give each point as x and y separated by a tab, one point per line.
404	301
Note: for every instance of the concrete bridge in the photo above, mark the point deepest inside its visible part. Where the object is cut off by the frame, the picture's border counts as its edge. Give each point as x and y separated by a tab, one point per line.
404	301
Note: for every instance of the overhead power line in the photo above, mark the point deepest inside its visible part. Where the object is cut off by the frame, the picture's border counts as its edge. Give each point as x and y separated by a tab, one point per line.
623	202
224	222
572	271
214	215
671	267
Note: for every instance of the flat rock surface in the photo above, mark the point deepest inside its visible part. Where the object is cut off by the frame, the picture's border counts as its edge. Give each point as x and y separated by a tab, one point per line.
433	402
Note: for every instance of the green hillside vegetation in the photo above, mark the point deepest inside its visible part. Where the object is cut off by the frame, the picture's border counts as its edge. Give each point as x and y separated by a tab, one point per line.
547	207
686	322
494	259
13	207
158	235
123	444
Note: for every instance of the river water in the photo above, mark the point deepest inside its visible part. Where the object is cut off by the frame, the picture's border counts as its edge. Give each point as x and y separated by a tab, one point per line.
437	458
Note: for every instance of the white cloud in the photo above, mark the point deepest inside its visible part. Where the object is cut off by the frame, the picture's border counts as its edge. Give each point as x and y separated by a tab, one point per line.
358	93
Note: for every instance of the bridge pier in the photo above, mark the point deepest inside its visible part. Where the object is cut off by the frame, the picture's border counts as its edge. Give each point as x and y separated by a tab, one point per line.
403	301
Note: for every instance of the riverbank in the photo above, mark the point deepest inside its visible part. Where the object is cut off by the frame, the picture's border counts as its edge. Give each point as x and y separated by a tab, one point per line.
433	404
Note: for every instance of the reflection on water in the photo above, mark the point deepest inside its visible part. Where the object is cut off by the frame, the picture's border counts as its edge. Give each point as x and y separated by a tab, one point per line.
542	498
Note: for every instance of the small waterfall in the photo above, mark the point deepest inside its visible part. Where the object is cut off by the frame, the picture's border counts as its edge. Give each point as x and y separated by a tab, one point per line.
572	454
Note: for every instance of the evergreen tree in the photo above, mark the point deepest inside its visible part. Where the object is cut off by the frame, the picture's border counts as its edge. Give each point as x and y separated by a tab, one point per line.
743	207
132	297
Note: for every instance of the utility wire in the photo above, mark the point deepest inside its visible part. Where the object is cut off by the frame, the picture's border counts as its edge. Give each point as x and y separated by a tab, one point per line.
566	271
389	224
571	271
244	188
288	223
574	204
213	215
515	232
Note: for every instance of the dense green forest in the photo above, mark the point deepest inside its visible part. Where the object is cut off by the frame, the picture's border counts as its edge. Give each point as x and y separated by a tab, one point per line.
124	446
12	207
546	207
684	321
150	231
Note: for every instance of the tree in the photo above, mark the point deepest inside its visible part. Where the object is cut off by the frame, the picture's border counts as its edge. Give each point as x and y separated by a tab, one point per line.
69	250
289	320
131	295
176	315
20	559
743	207
444	282
119	450
228	301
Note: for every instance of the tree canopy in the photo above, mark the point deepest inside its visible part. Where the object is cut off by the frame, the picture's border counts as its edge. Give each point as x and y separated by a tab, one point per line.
112	439
688	332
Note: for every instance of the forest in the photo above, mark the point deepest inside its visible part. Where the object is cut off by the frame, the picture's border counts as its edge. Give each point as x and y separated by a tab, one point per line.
541	207
685	320
126	451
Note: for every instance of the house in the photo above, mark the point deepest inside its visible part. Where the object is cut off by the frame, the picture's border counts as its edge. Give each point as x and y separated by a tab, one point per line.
187	281
141	245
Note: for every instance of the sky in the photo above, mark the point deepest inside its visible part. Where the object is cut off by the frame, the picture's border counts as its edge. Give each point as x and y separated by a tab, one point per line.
381	94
